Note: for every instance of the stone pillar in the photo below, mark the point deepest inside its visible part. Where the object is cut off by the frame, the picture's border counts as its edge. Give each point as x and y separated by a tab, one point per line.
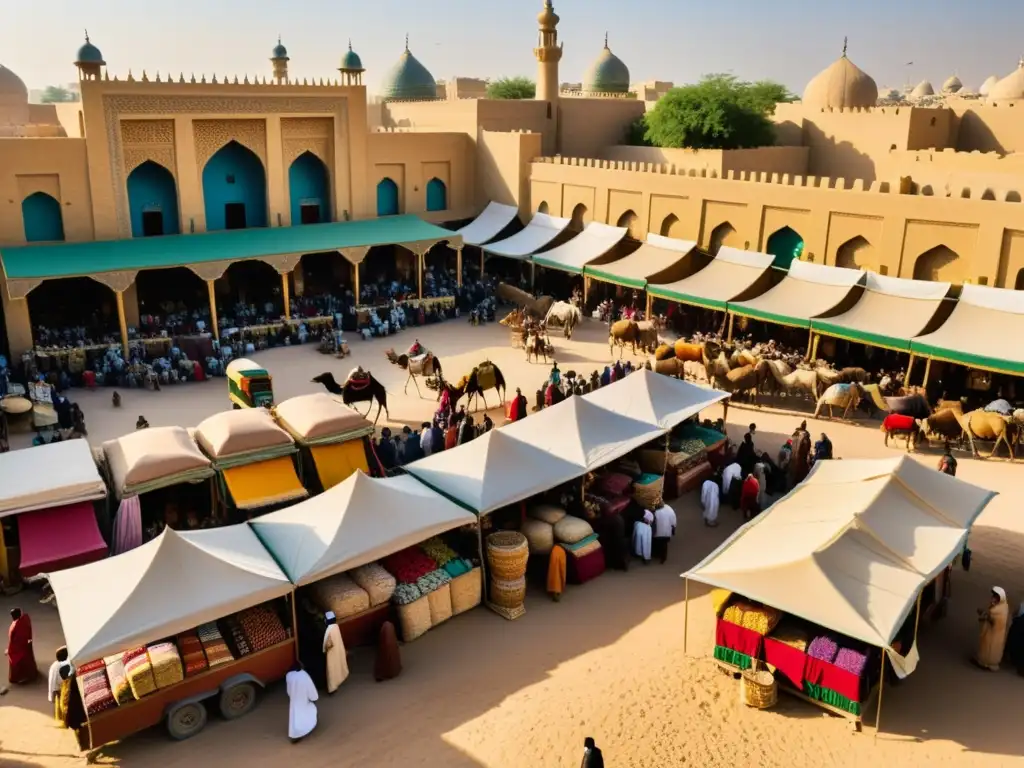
18	323
131	305
121	321
458	266
355	281
419	274
278	205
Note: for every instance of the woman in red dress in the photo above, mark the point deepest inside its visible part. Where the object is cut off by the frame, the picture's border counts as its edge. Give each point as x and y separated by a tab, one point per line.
749	493
21	659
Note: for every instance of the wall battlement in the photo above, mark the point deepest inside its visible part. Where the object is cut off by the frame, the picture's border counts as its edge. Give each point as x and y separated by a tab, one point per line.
226	80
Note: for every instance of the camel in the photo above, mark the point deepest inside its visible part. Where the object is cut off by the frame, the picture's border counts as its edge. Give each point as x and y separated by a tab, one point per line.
716	363
895	425
537	307
850	375
537	345
686	351
665	352
738	380
827	376
845	396
944	424
564	314
359	387
621	333
985	425
484	376
794	381
670	367
421	365
695	371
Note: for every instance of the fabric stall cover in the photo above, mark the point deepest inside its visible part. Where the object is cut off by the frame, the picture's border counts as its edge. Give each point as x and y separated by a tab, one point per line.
335	463
169	585
660	401
127	526
153	458
851	547
49	475
264	483
58	538
489	224
588	246
319	418
807	291
729	275
361	520
656	256
541	230
232	437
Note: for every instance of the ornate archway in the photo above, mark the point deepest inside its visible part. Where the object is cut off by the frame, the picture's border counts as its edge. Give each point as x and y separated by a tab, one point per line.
671	227
153	201
309	190
857	253
940	263
785	245
234	189
42	218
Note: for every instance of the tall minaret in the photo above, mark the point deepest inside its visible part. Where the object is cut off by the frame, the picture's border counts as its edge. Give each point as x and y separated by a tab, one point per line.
548	53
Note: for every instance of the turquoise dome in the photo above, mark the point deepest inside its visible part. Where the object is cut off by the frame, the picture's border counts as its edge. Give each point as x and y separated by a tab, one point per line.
409	80
607	75
89	54
279	52
351	61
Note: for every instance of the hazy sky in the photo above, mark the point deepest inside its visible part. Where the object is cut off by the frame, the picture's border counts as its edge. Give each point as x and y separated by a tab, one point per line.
786	40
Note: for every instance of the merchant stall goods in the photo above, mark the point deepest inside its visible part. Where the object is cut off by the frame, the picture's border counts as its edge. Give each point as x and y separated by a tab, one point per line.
52	501
184	624
829	584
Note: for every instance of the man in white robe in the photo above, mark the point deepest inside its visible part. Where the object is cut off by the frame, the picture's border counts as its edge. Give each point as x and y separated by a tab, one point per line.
301	707
642	537
709	500
334	648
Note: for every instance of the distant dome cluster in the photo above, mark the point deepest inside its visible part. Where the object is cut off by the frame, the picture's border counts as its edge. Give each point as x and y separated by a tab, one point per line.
1010	88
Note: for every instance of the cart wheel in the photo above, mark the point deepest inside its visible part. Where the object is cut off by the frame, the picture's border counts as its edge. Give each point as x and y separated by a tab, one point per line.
186	721
237	700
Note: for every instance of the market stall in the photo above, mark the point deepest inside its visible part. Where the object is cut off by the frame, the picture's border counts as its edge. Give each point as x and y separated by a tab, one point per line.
848	557
160	479
660	258
807	291
334	439
254	458
733	275
183	619
48	505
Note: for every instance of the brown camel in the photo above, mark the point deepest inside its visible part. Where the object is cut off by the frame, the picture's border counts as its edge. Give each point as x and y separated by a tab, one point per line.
985	425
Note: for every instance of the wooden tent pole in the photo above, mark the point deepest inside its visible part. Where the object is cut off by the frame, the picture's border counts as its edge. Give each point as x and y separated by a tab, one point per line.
910	367
732	318
295	622
121	320
881	687
458	266
927	371
213	309
650	301
419	275
355	281
810	343
482	263
686	613
284	294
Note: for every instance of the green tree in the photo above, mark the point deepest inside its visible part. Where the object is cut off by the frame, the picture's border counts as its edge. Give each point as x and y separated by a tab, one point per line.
512	88
719	112
55	94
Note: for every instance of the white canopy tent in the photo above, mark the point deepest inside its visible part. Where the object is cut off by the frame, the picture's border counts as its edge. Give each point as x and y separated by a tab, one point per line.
588	246
655	399
655	257
51	475
541	230
168	585
355	522
489	224
851	547
729	275
807	291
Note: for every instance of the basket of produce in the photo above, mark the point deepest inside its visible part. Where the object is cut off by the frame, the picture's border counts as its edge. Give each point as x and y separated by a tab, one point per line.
508	594
758	688
507	553
649	490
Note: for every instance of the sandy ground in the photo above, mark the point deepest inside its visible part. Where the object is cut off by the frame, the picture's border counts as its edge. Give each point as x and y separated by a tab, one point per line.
607	661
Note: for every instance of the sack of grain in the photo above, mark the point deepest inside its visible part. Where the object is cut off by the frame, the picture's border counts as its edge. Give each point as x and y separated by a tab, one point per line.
139	672
378	583
341	595
466	591
414	619
571	529
540	536
440	602
166	664
118	681
547	513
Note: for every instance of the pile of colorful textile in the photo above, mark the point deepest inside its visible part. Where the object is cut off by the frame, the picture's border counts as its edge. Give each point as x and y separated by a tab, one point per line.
583	547
118	681
191	650
851	660
216	650
823	647
408	565
757	618
96	691
433	580
166	664
139	671
235	637
438	551
405	594
342	595
376	581
458	566
263	627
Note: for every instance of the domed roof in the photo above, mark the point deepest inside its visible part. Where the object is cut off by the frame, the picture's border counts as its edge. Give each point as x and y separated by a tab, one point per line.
351	62
952	85
922	89
547	18
279	52
89	53
11	86
608	74
1010	88
409	79
842	85
987	85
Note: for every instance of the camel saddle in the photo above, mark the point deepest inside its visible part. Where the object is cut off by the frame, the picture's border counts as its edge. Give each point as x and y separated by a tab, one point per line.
486	377
358	379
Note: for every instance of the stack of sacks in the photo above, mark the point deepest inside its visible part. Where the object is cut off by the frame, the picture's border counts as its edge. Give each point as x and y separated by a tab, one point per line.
538	528
235	637
214	647
118	681
263	627
377	582
409	564
570	530
191	650
761	619
341	595
166	664
96	692
139	672
823	647
438	551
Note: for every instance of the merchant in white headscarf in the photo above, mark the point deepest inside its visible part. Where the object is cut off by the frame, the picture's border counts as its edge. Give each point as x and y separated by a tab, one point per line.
334	649
642	535
994	621
302	696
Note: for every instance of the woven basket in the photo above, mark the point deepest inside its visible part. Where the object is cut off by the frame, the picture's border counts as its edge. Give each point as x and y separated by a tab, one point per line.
758	688
651	495
440	603
507	553
414	618
465	590
508	594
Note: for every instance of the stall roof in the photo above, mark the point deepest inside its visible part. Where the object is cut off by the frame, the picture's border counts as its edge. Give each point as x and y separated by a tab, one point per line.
241	436
851	547
656	256
655	399
59	537
168	585
807	291
154	458
541	230
48	476
890	312
729	275
493	471
75	259
489	224
354	523
591	244
984	331
320	418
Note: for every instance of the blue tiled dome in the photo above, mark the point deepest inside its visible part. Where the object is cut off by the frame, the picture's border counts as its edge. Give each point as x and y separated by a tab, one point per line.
280	52
351	61
89	54
607	75
409	80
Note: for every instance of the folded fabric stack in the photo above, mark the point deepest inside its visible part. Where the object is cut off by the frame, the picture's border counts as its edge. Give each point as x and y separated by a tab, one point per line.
139	672
378	583
824	648
235	637
438	551
851	660
405	594
118	681
263	627
458	566
166	664
96	691
409	564
341	595
191	650
433	580
615	483
570	530
214	647
583	547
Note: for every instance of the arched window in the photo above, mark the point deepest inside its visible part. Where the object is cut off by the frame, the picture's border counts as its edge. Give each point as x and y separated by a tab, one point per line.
543	207
940	263
671	227
857	253
42	218
578	213
153	201
234	189
723	234
387	198
785	245
437	195
628	220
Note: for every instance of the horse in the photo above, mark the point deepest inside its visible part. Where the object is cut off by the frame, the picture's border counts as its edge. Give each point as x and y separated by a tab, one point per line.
421	365
483	377
359	387
565	314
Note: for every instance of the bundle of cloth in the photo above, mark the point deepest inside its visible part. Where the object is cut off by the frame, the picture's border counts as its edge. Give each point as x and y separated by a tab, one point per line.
409	564
235	637
342	595
139	671
96	691
458	567
166	664
191	650
118	681
438	551
378	584
429	582
585	557
263	627
214	647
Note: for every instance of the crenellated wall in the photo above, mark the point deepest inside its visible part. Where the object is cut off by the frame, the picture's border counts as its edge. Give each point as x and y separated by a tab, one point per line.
790	160
949	173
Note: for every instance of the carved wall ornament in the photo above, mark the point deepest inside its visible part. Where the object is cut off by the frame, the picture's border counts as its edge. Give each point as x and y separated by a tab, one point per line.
284	263
144	140
210	270
21	288
212	135
118	282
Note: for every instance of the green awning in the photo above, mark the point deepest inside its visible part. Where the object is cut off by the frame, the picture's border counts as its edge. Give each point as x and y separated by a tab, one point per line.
78	259
808	291
860	336
608	277
730	274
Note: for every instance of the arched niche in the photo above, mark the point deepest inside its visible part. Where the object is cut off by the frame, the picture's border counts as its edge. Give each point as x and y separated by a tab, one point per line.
153	201
723	234
387	198
234	189
578	214
857	253
940	263
543	207
437	195
785	245
628	220
42	218
671	227
309	190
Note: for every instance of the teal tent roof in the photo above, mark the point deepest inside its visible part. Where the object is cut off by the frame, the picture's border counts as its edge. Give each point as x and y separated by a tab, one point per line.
77	259
409	80
351	60
89	54
608	74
